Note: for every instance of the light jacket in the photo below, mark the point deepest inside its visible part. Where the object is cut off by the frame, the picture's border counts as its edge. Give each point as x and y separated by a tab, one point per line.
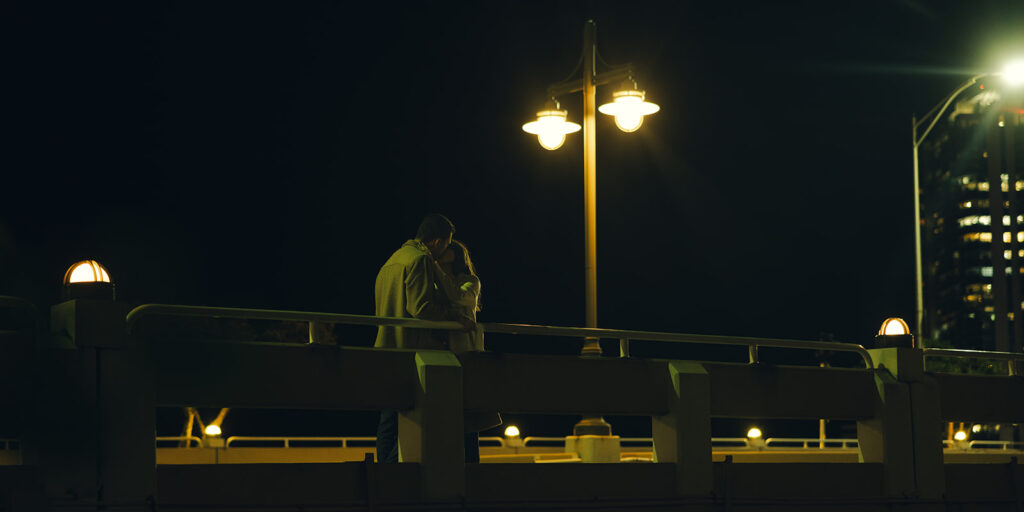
407	287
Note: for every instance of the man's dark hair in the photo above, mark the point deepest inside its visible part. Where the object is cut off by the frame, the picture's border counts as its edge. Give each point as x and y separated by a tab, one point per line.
435	226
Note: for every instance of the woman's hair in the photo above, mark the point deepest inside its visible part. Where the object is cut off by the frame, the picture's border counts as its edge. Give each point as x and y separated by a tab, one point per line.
462	264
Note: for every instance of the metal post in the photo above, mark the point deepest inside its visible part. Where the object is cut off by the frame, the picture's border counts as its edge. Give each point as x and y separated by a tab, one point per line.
590	425
919	327
591	346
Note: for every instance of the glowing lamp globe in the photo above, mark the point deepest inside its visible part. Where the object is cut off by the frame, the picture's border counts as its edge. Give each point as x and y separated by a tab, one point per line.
754	433
212	430
629	108
894	332
551	127
1013	73
512	431
960	435
87	279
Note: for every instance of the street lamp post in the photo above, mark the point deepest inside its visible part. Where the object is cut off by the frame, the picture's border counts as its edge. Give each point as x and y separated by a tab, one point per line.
1013	73
629	108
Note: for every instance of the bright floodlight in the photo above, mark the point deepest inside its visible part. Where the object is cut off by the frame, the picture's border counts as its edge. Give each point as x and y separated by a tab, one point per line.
629	108
551	127
754	433
1013	73
960	435
87	271
894	327
212	430
512	431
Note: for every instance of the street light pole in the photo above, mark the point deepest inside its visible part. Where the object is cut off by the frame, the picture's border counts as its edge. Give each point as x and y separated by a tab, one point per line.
591	346
935	114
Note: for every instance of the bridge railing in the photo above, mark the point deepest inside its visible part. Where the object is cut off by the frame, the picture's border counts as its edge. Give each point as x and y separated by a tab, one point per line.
624	336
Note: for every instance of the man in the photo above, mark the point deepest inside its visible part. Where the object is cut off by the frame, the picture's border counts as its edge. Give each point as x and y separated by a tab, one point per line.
406	287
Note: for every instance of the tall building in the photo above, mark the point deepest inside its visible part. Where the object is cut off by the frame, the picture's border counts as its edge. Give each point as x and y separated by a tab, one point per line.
972	188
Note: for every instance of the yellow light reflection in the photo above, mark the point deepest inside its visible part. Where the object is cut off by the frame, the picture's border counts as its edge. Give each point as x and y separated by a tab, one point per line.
1013	73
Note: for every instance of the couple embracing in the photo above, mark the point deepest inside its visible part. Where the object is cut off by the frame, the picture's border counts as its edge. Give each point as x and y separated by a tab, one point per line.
431	277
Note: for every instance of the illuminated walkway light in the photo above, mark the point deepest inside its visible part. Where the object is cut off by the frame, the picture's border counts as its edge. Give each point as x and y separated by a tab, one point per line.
512	431
88	279
754	433
212	430
551	126
894	327
629	108
86	271
960	435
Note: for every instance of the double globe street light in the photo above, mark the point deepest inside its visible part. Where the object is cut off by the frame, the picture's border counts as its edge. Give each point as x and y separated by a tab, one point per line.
628	106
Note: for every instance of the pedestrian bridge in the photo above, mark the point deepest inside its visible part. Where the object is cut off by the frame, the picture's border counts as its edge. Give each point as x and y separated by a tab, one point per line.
81	396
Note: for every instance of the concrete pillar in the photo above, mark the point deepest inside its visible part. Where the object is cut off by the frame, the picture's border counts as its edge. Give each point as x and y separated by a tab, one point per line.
683	436
97	414
432	432
904	435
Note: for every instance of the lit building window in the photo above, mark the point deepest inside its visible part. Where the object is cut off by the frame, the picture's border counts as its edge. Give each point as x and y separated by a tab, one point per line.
986	271
983	186
972	298
986	237
1006	220
965	204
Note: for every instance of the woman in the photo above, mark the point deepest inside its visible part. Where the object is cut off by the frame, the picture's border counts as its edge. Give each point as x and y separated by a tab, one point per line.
461	285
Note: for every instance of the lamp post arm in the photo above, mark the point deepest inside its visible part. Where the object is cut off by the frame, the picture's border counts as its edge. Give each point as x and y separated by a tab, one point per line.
945	104
611	76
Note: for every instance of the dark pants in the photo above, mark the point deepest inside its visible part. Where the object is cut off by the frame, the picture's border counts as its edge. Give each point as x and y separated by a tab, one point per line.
387	439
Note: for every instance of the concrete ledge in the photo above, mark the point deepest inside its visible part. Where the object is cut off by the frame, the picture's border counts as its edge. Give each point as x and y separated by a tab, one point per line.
523	383
980	398
299	377
744	391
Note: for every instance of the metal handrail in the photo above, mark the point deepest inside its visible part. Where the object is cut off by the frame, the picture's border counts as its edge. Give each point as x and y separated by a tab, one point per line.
287	440
498	328
1001	445
189	439
810	442
976	354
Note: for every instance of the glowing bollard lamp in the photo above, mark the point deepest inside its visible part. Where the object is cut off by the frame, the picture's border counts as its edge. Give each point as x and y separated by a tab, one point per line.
894	332
89	315
628	106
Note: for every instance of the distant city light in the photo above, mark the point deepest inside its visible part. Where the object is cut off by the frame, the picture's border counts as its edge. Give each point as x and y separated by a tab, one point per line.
512	431
212	430
976	428
629	108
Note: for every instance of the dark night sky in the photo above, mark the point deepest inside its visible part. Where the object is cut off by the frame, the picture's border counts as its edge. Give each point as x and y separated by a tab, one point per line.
273	155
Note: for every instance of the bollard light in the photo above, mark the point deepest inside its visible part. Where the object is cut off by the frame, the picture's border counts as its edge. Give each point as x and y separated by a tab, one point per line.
212	430
512	439
960	435
629	107
87	279
551	126
755	438
894	332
